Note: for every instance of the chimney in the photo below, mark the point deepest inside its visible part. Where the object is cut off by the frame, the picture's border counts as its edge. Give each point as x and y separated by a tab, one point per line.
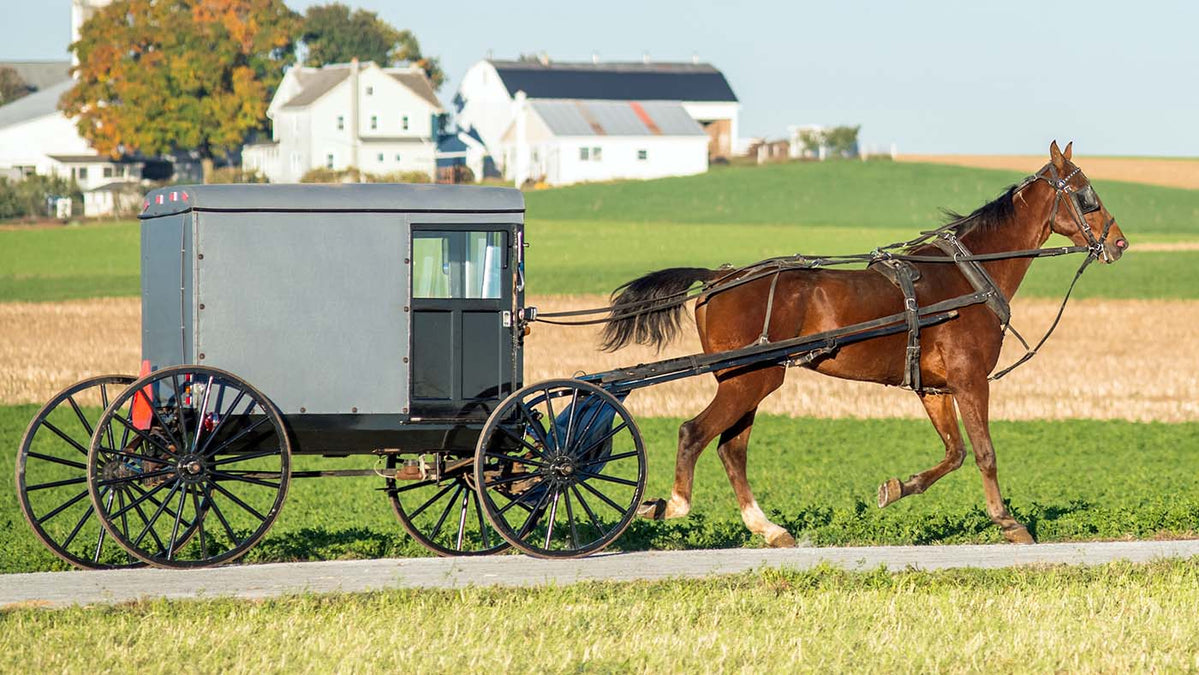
695	58
354	112
595	58
645	57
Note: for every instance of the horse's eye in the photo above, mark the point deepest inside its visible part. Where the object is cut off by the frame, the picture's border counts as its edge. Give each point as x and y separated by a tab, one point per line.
1087	200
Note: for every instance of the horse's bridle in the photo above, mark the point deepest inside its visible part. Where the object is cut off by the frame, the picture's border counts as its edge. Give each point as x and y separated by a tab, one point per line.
1082	201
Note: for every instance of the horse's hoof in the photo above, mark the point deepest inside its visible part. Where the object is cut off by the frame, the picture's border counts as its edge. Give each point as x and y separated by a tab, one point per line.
654	509
780	539
1018	534
889	492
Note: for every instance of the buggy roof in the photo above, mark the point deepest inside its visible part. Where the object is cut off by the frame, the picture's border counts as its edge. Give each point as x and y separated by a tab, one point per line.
374	197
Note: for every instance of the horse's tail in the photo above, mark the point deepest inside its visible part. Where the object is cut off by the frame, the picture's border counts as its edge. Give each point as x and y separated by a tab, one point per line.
647	310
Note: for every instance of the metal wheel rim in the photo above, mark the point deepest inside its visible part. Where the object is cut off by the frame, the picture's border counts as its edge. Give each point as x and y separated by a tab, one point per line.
201	499
584	495
23	464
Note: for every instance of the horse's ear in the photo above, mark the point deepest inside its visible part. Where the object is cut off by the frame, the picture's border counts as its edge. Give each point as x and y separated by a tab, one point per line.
1055	156
1068	153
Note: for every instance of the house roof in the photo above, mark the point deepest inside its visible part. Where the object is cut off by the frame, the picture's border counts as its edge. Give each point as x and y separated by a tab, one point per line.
84	159
40	74
616	81
316	82
35	105
616	118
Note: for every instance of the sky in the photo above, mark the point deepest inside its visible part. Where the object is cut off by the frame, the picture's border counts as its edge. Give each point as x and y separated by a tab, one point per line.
1117	78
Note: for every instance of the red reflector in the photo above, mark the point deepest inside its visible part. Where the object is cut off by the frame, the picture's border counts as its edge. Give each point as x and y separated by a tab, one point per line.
142	408
145	204
174	196
158	199
184	196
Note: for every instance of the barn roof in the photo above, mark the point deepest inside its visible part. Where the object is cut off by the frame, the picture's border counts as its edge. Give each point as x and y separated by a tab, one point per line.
616	118
35	105
616	81
40	74
316	82
349	197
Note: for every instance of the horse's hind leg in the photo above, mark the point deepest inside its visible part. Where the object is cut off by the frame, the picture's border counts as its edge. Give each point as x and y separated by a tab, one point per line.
734	443
973	401
940	410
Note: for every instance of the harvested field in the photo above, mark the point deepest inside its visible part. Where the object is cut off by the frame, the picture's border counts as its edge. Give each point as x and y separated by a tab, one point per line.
1126	359
1180	173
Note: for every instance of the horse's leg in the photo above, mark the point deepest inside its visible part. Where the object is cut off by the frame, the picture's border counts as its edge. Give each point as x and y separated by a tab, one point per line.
734	443
973	400
735	397
940	410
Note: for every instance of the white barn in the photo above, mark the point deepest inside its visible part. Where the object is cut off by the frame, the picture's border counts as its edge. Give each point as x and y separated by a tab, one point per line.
349	115
542	120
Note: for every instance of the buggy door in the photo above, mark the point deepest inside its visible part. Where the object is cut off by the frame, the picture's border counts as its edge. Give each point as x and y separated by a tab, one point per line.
462	334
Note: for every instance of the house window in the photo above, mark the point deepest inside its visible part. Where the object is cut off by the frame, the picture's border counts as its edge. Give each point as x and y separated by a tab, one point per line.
596	154
108	172
380	158
341	122
374	122
329	161
584	154
404	123
642	155
397	156
370	91
83	173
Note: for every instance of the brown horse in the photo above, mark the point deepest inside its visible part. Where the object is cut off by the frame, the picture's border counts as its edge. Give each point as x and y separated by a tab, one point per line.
955	359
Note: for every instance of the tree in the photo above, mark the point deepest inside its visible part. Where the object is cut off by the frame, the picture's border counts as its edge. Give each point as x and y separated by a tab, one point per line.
12	87
843	140
334	34
157	76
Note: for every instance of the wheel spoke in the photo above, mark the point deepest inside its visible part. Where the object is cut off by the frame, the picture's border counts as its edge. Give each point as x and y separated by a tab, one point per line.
462	518
104	532
243	432
570	518
514	458
57	460
552	421
246	479
129	426
587	508
434	498
608	436
522	441
179	420
242	458
59	432
107	427
609	458
220	516
449	506
153	535
534	427
532	519
82	418
549	529
200	520
413	486
137	477
203	451
57	483
166	428
483	526
155	502
178	517
78	526
200	414
125	508
153	519
610	479
236	500
513	479
62	507
602	496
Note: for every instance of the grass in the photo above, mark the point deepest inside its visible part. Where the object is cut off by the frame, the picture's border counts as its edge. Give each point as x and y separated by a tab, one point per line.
1111	618
591	238
1075	480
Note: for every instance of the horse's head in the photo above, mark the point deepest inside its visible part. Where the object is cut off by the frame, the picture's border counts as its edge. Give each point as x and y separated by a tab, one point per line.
1078	213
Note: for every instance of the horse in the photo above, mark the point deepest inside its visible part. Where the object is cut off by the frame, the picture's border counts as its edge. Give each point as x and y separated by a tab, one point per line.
954	362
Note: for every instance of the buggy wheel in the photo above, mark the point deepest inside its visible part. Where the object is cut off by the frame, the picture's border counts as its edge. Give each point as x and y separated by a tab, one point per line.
188	467
561	468
52	475
445	516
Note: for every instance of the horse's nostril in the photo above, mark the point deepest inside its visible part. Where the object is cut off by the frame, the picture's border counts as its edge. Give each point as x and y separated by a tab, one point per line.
1121	243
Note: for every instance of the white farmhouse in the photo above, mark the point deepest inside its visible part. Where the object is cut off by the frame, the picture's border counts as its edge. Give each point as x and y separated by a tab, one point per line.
544	120
349	115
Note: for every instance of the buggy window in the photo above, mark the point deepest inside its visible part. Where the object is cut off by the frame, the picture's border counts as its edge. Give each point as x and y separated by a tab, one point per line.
457	264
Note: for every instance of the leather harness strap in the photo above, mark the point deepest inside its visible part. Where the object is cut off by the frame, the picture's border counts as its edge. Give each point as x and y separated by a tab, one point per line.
978	277
903	275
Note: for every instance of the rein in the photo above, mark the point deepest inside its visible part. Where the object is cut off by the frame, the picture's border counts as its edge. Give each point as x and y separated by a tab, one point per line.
773	267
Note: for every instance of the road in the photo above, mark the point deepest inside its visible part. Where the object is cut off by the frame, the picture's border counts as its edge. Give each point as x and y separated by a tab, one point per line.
59	589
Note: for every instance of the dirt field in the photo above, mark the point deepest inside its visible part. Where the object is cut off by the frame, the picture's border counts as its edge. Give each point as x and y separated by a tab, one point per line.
1134	359
1181	173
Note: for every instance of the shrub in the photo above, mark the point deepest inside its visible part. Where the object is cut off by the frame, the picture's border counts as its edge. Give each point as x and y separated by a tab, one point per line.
26	198
233	174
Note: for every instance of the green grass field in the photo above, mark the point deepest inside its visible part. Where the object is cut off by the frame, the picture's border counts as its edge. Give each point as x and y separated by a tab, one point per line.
591	238
1112	618
1071	480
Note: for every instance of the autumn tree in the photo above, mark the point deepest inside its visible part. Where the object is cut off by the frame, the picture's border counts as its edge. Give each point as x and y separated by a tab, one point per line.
162	75
334	34
12	87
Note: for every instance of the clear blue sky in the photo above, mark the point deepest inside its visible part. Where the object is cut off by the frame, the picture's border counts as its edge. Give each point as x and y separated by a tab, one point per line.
932	76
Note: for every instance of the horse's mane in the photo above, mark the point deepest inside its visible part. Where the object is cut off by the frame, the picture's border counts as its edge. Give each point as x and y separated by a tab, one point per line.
989	216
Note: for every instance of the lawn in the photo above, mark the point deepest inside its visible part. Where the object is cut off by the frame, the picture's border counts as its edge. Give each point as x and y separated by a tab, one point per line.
1074	480
1111	618
591	238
